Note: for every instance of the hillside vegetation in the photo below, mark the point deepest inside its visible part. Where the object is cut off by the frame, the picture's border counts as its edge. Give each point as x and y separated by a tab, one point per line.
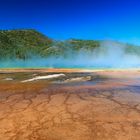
23	44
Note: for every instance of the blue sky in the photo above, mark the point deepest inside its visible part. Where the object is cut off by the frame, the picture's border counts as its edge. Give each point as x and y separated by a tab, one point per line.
83	19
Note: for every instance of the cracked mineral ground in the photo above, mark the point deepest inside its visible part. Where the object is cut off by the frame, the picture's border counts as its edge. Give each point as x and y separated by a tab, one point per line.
100	105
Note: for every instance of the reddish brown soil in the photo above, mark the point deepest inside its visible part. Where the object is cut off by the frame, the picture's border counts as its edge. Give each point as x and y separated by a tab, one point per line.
39	110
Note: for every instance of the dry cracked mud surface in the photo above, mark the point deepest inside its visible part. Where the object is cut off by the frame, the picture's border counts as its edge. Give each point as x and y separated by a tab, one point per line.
105	108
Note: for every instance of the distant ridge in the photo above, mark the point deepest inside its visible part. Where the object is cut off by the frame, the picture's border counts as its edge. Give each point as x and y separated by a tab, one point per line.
25	43
21	43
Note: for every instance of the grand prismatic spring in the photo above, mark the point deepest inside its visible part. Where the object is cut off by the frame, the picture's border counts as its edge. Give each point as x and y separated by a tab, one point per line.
69	70
80	97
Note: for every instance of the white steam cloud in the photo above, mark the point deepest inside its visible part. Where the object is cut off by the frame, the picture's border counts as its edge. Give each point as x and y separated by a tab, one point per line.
108	55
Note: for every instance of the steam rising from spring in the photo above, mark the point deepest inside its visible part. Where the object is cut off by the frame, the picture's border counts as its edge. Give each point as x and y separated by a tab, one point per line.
108	55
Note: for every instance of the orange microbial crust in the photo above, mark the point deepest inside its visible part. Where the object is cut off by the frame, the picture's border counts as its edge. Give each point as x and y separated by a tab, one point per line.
107	109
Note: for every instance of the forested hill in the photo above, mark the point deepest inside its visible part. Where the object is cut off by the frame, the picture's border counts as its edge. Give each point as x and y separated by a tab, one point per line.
23	44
